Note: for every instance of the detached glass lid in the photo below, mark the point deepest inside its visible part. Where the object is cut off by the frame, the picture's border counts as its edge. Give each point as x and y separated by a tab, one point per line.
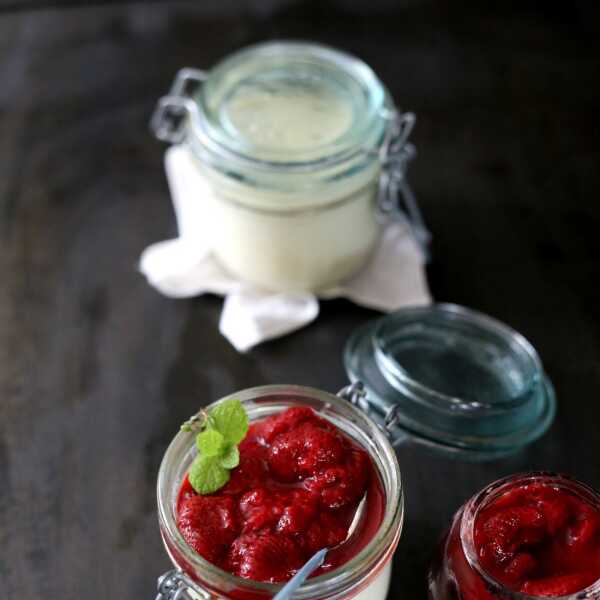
452	378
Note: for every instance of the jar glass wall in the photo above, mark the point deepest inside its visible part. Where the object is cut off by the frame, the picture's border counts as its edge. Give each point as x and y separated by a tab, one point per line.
366	575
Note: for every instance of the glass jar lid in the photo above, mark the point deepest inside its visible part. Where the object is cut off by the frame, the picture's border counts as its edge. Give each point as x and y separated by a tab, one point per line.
453	379
291	103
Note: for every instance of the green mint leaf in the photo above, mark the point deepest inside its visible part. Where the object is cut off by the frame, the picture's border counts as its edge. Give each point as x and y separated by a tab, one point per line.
220	431
211	443
207	475
231	420
230	459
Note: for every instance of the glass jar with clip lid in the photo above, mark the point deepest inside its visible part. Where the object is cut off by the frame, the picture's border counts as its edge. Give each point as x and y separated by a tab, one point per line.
304	155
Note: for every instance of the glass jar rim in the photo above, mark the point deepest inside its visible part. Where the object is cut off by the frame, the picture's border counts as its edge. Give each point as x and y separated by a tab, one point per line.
350	573
362	134
492	491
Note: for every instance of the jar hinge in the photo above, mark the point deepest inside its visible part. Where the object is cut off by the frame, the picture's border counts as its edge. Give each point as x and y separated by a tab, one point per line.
396	198
175	585
391	418
356	394
170	115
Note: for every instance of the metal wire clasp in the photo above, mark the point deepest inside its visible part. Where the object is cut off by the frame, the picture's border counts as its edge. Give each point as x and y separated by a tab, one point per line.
356	394
175	585
391	418
169	118
396	198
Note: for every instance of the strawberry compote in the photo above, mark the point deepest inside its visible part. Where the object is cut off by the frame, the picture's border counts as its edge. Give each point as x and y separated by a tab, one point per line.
534	535
294	492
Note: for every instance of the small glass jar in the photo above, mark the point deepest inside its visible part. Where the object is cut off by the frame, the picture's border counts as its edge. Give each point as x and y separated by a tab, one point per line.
364	577
456	572
304	154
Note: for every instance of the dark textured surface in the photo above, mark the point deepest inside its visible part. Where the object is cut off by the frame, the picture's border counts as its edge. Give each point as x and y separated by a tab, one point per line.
97	370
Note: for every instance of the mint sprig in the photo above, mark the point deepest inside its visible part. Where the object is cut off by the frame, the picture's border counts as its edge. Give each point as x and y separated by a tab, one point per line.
220	432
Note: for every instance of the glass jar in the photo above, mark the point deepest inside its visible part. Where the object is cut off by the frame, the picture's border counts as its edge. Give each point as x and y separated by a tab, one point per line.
304	154
456	572
364	577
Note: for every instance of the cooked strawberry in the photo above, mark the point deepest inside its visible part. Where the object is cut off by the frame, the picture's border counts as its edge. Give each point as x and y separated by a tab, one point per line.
304	451
264	557
341	485
208	524
561	585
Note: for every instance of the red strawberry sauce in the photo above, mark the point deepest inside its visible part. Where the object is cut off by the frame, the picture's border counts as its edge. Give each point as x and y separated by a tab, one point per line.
540	539
295	491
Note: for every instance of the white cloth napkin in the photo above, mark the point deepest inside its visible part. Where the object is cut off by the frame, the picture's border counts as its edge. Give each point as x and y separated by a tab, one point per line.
184	267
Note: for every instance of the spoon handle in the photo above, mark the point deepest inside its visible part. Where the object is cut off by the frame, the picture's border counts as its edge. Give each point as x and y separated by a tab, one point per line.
298	579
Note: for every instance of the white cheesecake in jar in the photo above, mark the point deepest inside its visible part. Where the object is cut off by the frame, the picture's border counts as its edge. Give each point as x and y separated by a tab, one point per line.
291	138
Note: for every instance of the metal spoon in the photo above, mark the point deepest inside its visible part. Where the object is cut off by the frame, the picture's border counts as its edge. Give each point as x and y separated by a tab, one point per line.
317	560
